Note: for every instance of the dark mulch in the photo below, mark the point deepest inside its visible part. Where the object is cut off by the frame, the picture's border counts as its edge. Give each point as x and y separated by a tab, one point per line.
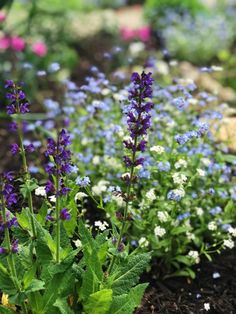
180	295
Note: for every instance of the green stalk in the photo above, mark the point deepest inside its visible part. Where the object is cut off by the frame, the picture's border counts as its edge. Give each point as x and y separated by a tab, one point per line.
58	230
10	257
128	193
26	173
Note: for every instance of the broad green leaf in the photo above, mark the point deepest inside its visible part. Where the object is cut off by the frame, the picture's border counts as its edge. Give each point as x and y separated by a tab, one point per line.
4	310
23	219
127	275
63	306
99	302
230	209
35	285
183	259
179	230
126	303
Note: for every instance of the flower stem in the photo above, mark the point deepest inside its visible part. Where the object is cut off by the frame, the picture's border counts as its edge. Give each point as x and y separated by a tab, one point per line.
128	193
58	221
26	177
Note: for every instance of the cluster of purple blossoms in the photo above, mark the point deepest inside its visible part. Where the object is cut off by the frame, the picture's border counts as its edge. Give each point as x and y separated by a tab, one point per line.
18	101
9	198
18	105
62	162
138	115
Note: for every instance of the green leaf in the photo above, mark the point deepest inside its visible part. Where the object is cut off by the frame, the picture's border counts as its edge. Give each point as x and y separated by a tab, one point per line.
28	187
183	259
126	303
4	310
6	281
35	285
41	216
127	275
179	230
23	219
229	158
230	209
63	306
99	302
29	276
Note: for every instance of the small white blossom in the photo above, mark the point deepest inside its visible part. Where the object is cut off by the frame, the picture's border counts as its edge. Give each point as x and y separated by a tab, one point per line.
201	172
157	149
96	160
179	178
206	161
80	195
118	199
78	243
199	211
229	243
163	216
101	225
143	242
159	231
207	307
150	195
181	163
212	226
195	256
53	198
100	187
232	231
40	191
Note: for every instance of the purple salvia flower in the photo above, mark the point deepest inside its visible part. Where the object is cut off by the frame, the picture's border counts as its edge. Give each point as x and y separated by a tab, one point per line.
65	215
15	149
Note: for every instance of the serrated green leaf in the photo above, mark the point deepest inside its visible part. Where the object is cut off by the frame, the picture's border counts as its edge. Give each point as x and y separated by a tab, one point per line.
99	302
126	303
127	275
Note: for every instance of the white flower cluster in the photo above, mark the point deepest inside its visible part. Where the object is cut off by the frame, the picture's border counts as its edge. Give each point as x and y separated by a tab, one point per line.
179	178
100	187
163	216
157	149
101	225
229	243
143	242
150	195
159	231
40	191
194	255
212	226
201	173
181	163
79	196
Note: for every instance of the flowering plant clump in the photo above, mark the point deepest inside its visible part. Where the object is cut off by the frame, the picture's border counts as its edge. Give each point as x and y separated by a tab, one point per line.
49	260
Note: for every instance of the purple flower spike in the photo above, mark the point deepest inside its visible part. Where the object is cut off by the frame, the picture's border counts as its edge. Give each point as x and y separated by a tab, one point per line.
65	215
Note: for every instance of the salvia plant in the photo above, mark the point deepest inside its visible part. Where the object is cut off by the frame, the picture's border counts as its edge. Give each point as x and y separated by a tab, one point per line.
51	260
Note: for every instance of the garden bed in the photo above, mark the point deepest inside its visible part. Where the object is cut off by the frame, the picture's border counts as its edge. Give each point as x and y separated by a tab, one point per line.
215	285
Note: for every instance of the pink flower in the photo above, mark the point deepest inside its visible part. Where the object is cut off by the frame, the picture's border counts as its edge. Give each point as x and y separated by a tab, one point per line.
17	43
127	33
40	49
2	16
4	43
144	33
